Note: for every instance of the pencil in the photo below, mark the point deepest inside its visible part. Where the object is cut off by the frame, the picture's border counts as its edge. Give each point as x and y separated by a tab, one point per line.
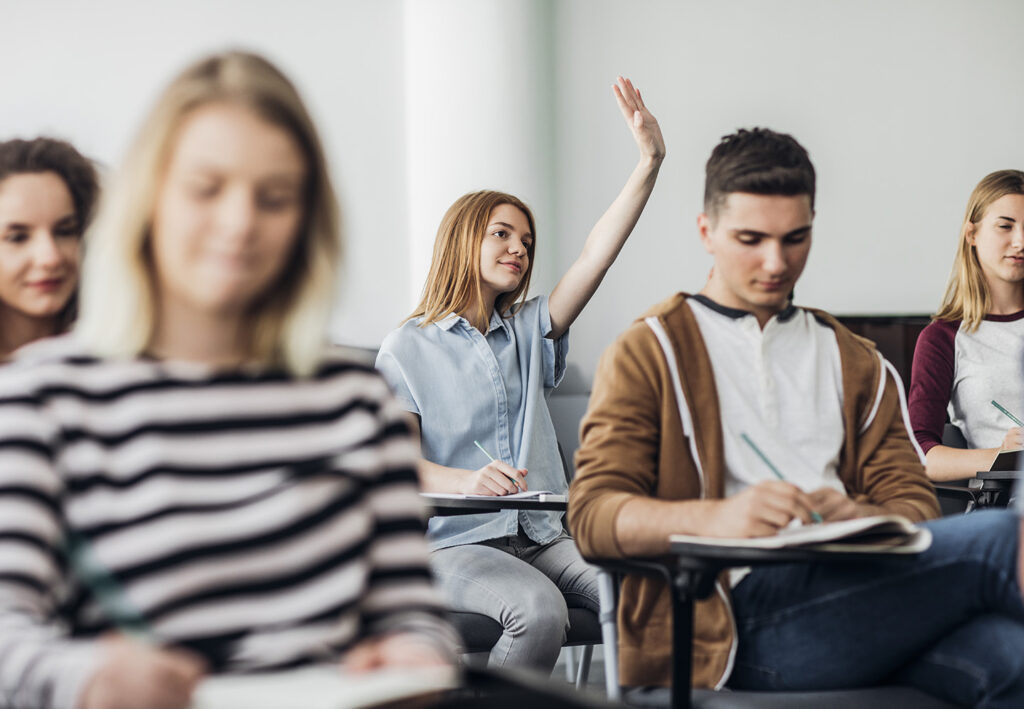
1007	413
109	593
746	439
491	458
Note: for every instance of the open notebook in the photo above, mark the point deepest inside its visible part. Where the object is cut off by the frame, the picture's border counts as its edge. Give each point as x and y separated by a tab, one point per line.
541	495
320	687
883	533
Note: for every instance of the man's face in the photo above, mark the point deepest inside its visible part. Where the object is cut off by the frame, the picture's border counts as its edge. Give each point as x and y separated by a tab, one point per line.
760	244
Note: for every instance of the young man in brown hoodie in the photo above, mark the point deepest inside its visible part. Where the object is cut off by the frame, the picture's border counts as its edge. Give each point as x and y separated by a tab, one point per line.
663	451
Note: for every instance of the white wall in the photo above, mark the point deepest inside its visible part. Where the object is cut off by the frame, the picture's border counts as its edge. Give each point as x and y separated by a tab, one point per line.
903	105
87	71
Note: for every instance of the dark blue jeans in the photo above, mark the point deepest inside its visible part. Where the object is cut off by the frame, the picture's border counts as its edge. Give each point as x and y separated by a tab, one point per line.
950	622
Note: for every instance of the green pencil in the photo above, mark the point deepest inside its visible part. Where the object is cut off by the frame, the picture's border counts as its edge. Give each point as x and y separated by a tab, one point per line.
1007	413
109	593
746	439
491	458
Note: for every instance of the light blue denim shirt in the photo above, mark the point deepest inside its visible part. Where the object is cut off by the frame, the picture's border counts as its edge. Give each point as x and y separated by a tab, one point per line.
468	387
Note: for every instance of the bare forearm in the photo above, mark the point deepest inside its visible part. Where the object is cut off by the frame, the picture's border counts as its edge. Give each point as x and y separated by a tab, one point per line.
602	247
613	228
440	478
945	463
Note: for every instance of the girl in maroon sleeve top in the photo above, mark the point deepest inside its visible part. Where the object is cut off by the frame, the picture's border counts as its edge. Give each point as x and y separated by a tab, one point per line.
972	354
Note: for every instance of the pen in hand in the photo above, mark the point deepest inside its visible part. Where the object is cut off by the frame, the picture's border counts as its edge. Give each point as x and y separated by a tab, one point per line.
491	458
746	439
109	593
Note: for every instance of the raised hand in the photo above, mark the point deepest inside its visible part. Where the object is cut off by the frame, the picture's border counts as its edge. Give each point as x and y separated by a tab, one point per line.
643	124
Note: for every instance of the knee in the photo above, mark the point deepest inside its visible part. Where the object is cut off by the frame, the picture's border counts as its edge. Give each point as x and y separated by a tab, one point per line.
988	650
1004	666
988	535
540	609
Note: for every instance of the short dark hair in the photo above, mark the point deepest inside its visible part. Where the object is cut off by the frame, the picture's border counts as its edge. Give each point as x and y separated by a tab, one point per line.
18	157
757	161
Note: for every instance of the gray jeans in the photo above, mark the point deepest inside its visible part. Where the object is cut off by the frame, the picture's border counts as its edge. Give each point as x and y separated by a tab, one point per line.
525	586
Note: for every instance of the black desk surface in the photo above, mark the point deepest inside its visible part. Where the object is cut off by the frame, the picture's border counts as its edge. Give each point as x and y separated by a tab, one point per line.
693	555
1000	474
445	506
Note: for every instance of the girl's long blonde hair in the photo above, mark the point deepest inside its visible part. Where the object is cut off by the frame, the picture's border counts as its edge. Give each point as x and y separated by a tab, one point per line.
967	297
453	284
287	325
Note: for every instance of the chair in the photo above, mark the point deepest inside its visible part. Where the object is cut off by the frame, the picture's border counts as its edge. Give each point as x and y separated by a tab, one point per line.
479	633
692	578
955	497
962	496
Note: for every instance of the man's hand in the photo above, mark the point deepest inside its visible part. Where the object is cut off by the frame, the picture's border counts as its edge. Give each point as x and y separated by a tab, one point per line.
760	510
399	650
134	675
835	506
832	505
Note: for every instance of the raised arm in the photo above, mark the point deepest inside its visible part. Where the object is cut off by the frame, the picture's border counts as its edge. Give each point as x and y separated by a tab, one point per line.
610	232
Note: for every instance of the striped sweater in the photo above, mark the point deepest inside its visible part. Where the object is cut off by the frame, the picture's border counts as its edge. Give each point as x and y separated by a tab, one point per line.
260	520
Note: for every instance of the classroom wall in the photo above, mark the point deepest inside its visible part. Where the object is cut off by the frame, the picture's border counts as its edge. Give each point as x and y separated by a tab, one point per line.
87	71
903	105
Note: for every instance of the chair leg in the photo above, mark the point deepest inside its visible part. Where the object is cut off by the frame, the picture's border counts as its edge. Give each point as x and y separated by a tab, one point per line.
570	660
606	584
584	667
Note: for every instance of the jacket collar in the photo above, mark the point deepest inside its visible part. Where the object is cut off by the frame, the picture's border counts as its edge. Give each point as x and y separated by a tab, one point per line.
735	313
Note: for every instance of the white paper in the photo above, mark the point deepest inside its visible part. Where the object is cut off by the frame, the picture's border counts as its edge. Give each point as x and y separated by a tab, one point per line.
319	687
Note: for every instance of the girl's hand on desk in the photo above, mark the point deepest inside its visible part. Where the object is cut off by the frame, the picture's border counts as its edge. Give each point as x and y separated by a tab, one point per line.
399	650
1014	439
134	675
495	478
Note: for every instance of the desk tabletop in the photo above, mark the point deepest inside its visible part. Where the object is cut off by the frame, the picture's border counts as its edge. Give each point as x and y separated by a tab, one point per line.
1000	474
445	506
699	556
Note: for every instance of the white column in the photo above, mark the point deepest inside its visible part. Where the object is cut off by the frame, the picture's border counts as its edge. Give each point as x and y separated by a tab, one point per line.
479	114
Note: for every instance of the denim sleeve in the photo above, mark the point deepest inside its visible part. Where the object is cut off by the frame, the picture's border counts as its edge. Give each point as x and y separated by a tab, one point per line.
554	352
393	373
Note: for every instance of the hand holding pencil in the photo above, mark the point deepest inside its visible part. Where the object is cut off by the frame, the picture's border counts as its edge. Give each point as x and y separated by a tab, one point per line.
495	478
1014	438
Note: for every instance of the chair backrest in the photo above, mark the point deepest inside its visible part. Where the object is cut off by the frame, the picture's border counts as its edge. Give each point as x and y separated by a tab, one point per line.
953	437
566	413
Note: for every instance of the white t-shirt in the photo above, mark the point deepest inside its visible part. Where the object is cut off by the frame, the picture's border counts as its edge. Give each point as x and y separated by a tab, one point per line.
782	387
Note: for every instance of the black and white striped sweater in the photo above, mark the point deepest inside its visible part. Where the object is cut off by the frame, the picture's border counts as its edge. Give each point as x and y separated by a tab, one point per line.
261	520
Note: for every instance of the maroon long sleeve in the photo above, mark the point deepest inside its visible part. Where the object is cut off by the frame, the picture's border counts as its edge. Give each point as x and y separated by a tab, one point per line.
931	382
